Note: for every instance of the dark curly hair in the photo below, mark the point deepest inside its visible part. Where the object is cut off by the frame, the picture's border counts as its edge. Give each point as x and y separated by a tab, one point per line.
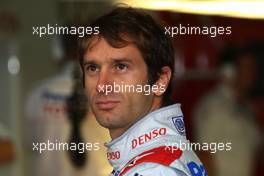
143	31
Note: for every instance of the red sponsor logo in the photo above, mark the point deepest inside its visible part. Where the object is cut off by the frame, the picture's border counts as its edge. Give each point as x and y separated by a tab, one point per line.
113	155
148	136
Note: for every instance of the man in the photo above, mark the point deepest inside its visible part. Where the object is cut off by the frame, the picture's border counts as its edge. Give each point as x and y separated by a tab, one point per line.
224	115
132	51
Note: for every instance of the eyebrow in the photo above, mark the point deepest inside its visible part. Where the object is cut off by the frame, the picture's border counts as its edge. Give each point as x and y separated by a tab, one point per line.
118	60
88	62
115	60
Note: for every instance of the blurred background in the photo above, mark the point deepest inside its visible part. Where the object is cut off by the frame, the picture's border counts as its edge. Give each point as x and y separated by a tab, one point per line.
218	80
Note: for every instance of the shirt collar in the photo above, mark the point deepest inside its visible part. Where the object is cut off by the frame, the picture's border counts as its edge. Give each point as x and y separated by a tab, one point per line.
158	128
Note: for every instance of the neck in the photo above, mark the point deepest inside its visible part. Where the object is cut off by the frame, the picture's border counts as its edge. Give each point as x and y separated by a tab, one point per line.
115	133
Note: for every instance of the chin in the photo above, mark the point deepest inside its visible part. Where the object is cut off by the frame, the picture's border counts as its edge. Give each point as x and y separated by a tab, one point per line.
104	121
109	122
105	125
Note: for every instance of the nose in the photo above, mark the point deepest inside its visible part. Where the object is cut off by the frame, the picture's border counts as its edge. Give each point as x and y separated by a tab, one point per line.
104	83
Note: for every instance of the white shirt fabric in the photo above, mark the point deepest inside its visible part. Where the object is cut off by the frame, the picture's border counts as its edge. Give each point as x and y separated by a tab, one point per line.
48	120
163	127
220	119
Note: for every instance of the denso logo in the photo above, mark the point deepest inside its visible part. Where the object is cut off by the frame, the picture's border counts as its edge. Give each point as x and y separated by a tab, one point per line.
147	137
113	155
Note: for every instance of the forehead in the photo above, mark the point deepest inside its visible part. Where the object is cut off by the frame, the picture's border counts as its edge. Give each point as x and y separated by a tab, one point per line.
99	49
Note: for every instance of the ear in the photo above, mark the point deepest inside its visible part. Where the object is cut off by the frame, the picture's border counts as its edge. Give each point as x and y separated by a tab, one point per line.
163	81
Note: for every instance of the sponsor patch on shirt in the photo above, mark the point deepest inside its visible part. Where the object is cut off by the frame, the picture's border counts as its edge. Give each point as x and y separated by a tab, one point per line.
136	174
196	169
179	125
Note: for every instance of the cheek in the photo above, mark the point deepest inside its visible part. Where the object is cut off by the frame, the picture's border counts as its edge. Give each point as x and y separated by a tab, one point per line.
90	88
139	103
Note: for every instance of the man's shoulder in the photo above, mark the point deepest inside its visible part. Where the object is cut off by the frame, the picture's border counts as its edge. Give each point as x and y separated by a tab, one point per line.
150	169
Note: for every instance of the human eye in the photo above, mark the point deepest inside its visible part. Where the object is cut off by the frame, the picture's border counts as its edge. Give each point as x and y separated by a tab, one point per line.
91	69
121	67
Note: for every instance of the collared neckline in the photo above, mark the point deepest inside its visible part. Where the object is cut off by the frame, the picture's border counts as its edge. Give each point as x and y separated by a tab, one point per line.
139	137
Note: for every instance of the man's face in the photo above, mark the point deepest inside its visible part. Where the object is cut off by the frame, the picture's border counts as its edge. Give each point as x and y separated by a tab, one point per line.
105	65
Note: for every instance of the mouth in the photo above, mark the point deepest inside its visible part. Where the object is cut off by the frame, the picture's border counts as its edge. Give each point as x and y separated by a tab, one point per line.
106	105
